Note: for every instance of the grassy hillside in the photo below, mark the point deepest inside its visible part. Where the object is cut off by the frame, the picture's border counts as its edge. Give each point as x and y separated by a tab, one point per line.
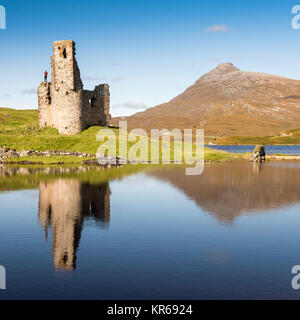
290	137
19	130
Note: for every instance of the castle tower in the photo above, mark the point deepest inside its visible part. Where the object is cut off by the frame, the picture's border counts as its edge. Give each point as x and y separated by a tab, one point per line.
63	103
65	71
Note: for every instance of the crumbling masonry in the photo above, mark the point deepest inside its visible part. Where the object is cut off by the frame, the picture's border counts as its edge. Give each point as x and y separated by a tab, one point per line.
63	104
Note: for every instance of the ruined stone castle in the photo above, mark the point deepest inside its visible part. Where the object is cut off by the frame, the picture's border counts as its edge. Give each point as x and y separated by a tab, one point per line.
63	103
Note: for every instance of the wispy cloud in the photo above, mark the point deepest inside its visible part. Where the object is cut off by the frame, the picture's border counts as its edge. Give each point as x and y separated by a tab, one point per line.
131	105
89	78
29	91
6	95
218	28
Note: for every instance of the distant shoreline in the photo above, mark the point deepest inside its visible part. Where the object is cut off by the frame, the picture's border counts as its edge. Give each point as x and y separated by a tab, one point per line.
75	159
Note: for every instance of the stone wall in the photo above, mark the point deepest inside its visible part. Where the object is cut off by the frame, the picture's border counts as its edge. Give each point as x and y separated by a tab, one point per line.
67	110
96	106
63	104
44	100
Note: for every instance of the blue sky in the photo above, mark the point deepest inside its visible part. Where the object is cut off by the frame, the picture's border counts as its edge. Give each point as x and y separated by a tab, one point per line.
148	51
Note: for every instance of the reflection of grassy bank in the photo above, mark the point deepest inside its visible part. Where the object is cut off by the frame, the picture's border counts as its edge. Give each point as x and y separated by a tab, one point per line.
18	178
49	160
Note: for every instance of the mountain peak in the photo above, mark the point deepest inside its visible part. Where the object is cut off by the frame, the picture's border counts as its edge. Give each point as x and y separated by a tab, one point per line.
226	102
223	68
217	73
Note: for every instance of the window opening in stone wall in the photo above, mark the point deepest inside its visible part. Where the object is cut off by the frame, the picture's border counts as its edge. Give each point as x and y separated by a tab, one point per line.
65	53
92	102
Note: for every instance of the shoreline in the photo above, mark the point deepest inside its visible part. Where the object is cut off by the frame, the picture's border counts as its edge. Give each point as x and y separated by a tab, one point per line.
74	160
10	156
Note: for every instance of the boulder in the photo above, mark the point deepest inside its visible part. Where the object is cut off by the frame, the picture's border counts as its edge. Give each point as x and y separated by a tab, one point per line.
259	154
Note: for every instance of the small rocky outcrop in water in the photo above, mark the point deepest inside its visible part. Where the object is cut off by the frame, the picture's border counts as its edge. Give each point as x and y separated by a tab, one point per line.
259	154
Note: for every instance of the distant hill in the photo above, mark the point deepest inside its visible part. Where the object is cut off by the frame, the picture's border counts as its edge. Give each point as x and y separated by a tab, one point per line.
229	102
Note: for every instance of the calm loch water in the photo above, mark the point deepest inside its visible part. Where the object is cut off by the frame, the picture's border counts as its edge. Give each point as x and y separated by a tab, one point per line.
233	232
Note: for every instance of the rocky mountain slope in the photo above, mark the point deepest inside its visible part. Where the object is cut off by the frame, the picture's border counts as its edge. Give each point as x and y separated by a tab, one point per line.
229	102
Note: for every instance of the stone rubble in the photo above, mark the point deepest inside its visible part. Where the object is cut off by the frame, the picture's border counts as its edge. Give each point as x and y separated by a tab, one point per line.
99	159
102	160
6	153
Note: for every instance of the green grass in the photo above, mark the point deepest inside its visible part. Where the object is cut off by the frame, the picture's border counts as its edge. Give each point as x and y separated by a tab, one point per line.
209	155
215	155
19	130
291	137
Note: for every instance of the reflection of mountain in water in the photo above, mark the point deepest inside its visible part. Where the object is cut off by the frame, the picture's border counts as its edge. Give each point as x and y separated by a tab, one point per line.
229	190
63	204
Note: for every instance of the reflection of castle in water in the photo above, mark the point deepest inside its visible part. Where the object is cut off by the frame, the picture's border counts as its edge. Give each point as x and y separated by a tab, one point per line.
63	205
